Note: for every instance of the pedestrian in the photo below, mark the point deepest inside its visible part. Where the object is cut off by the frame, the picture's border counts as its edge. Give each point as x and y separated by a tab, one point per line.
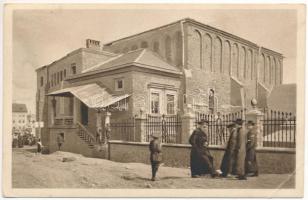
201	161
241	141
156	154
251	165
98	135
60	140
107	132
230	152
39	146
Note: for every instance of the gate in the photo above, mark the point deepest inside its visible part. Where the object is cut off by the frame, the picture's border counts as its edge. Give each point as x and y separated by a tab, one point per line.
168	126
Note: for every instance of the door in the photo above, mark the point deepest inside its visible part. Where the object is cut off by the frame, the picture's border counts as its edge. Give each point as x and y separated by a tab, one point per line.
84	114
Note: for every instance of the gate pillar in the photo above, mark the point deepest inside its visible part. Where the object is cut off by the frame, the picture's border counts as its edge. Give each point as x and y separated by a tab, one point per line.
256	116
188	126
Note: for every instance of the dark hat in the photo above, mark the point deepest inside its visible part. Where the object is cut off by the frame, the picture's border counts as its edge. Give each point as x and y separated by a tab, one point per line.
239	121
203	121
250	122
230	125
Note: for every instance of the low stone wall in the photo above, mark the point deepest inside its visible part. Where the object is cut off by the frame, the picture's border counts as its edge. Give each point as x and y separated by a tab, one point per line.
276	161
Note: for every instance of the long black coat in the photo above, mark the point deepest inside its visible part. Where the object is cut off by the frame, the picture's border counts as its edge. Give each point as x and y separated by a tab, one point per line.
251	165
240	151
201	161
230	154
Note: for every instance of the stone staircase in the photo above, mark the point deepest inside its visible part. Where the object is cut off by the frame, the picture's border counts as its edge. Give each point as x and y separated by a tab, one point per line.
89	139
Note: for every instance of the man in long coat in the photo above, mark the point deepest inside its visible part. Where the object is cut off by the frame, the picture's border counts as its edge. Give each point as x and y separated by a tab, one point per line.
230	153
201	161
251	165
240	150
156	154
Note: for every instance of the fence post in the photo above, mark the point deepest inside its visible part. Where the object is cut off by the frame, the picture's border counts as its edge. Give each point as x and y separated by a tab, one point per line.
188	125
256	116
140	128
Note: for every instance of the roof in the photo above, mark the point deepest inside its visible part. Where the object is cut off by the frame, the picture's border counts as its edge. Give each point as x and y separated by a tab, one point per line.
17	107
92	95
89	50
283	98
142	57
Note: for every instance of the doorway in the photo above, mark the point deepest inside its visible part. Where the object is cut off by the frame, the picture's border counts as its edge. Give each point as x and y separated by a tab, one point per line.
84	114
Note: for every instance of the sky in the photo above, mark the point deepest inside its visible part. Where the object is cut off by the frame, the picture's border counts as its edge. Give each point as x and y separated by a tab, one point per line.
43	36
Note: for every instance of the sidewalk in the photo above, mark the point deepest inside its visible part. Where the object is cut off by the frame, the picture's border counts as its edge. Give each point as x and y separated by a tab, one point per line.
32	170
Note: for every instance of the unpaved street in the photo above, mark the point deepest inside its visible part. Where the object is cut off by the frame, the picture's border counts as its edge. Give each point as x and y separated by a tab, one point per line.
31	170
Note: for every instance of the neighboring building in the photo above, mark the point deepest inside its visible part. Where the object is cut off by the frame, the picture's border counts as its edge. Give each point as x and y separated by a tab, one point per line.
20	113
161	71
283	99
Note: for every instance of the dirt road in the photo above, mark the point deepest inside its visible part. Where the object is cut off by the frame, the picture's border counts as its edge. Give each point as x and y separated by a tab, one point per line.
32	170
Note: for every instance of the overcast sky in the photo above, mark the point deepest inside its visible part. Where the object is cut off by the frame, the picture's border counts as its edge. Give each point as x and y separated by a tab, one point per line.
42	36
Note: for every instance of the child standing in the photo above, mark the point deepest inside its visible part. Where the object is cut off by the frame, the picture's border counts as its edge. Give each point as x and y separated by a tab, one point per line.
156	154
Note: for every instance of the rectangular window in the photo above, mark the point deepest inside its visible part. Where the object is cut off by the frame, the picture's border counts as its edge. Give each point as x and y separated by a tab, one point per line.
64	73
42	81
119	84
73	68
61	75
170	104
58	78
155	103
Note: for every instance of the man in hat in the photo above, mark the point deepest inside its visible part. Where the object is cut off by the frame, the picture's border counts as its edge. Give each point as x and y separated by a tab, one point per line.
156	154
201	161
251	165
230	153
240	150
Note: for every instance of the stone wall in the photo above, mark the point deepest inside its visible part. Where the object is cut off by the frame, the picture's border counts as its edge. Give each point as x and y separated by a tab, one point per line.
270	160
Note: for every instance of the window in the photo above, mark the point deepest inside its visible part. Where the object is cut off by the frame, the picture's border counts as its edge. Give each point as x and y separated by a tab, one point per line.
155	103
211	101
64	73
61	75
73	68
58	78
42	81
170	104
119	84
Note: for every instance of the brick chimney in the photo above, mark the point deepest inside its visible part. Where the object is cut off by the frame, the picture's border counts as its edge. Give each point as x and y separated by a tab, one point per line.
93	44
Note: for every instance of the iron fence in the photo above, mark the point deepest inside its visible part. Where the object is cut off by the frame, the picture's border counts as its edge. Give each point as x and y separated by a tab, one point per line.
279	129
218	133
168	126
123	129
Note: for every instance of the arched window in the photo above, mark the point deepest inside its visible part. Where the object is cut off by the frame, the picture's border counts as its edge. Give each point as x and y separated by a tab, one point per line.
144	44
249	65
273	71
178	48
227	57
217	54
168	49
235	59
262	68
267	70
242	63
208	52
197	46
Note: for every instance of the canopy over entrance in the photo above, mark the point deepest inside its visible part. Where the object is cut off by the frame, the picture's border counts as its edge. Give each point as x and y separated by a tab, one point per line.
92	95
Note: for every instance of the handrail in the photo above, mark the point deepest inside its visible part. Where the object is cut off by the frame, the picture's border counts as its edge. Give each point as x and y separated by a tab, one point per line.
88	133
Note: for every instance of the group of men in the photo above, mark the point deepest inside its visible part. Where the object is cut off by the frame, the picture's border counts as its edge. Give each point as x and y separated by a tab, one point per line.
239	160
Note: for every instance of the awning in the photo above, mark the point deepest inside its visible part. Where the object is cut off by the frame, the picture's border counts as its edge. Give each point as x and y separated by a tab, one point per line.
92	95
